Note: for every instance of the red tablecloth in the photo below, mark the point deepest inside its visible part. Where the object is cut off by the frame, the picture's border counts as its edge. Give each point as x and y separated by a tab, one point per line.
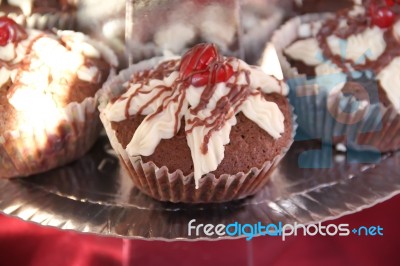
28	244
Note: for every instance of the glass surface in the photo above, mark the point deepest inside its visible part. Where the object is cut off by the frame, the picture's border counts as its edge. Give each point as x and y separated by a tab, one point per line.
159	27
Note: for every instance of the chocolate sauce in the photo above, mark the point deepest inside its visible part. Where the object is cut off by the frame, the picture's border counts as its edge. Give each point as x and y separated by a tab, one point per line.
356	25
225	108
23	65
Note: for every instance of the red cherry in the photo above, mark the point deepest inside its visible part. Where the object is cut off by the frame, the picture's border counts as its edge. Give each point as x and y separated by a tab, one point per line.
4	36
200	79
202	65
390	2
10	31
197	58
383	17
222	73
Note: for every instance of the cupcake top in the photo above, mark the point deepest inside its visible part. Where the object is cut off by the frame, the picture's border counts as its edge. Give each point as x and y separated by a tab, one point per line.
42	72
206	91
363	39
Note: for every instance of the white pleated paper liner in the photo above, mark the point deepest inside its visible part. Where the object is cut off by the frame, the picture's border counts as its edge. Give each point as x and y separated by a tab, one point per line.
32	150
36	148
160	183
331	116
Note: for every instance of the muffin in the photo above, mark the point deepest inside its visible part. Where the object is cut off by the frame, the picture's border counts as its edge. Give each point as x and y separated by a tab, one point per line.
48	102
342	69
197	128
41	14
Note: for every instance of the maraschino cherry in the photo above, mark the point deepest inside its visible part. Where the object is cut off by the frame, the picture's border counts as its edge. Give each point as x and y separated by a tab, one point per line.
10	31
202	65
382	16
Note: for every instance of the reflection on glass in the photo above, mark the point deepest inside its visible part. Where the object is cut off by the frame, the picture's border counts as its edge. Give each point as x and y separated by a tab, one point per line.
160	27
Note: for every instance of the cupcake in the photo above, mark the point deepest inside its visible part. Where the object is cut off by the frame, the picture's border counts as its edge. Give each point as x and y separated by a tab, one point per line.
197	128
41	14
343	75
48	102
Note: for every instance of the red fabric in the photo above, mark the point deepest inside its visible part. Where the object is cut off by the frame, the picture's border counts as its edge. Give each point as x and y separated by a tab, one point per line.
24	243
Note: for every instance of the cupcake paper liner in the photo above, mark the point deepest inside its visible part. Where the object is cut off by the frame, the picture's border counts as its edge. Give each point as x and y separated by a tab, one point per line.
162	184
46	21
330	116
34	149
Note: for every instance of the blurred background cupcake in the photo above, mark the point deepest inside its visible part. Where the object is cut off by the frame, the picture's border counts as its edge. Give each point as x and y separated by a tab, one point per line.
259	19
172	27
48	109
38	14
342	73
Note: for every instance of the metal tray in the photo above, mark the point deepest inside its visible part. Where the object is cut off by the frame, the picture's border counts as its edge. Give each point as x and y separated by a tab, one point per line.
95	195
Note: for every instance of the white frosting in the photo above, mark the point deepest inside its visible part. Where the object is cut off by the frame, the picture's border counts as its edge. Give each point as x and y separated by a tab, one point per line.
205	163
7	53
147	136
117	113
47	73
256	108
307	30
87	73
357	10
370	44
151	131
327	68
79	43
307	51
390	81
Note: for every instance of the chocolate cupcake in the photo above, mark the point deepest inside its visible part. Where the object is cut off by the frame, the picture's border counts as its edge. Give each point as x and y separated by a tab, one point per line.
342	69
48	86
201	128
41	15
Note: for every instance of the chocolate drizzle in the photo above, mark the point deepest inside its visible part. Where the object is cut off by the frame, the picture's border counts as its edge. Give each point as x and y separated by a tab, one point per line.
23	65
356	25
225	108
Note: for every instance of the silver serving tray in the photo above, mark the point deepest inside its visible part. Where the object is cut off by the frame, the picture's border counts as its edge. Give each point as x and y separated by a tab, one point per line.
95	195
